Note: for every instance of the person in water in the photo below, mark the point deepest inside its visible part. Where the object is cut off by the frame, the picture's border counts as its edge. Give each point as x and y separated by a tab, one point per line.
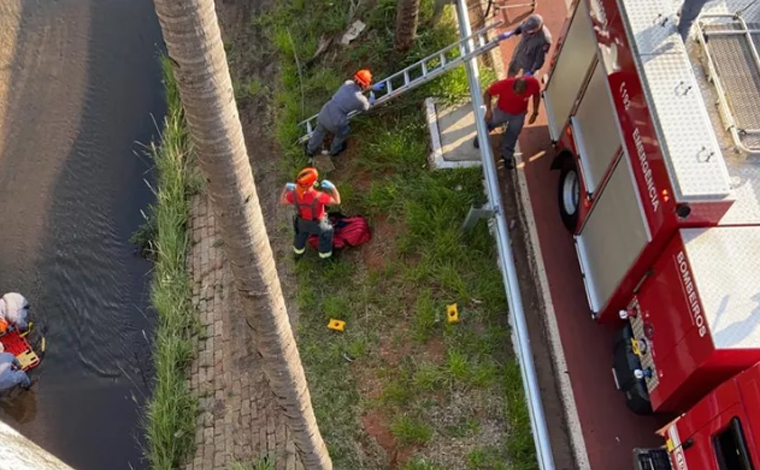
11	373
14	312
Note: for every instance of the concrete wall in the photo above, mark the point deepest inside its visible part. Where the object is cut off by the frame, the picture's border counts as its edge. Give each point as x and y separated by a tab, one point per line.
19	453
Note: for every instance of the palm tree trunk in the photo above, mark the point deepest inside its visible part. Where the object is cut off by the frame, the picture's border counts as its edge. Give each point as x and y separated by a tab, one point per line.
407	15
194	42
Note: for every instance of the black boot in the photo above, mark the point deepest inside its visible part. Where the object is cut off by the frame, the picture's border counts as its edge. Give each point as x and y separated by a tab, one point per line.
306	151
509	163
475	143
341	150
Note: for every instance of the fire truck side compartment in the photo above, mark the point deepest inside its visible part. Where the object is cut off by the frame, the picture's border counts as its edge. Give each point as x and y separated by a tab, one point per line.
569	72
613	236
701	310
596	129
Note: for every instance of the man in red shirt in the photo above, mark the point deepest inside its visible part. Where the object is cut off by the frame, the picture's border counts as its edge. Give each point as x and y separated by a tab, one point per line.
311	215
511	108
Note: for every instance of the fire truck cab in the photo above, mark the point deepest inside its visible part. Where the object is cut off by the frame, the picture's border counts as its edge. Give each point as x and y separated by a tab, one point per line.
658	150
721	432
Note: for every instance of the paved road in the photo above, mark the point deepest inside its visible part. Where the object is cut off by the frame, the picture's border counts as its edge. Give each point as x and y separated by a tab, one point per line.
609	430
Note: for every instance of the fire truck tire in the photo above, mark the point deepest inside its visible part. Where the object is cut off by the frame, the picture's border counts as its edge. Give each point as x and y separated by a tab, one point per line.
569	194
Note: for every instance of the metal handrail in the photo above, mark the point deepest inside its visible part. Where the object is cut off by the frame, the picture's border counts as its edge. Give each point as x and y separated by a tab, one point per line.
712	71
509	272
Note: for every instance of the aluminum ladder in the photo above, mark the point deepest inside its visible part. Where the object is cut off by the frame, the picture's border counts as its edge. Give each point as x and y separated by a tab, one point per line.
423	71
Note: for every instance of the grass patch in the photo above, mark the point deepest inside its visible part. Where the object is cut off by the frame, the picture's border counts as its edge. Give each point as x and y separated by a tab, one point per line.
171	411
434	382
409	430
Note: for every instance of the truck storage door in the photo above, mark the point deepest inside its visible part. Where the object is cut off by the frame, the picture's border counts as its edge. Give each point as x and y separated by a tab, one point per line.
613	236
596	129
570	70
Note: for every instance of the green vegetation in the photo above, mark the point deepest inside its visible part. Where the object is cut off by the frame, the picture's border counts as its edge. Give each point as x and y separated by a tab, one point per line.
429	384
171	412
262	464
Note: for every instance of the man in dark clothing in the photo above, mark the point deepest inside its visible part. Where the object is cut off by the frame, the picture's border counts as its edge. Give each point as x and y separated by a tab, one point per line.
311	214
511	108
530	53
689	13
333	117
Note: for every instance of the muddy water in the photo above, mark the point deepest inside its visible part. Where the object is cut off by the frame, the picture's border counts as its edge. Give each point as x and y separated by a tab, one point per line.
79	82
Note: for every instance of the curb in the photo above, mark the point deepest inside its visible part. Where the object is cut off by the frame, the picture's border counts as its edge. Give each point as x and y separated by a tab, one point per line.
561	375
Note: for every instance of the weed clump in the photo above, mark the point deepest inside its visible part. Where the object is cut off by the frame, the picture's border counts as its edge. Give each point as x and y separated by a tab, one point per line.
172	409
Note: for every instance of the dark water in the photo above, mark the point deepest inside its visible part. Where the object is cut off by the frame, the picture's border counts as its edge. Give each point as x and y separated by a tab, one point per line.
80	83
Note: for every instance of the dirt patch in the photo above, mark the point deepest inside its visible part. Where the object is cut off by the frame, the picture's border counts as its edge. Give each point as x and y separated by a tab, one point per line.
375	423
380	251
394	345
435	350
370	385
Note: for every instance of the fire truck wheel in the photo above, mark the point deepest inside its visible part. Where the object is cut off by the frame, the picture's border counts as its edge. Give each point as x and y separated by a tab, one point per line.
569	195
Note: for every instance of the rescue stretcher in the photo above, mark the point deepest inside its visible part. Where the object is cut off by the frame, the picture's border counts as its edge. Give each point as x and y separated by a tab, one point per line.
16	343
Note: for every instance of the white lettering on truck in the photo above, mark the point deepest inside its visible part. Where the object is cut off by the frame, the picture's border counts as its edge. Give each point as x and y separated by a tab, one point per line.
691	293
641	154
677	450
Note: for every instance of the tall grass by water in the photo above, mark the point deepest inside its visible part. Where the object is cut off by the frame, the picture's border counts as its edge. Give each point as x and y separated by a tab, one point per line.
172	409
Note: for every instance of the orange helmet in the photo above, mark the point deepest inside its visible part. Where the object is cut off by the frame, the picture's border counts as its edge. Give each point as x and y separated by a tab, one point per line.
307	177
363	77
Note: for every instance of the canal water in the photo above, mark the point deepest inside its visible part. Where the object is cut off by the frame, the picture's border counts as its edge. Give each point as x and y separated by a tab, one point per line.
79	91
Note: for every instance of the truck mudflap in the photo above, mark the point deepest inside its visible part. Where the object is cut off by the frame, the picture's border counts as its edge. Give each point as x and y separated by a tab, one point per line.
625	362
651	459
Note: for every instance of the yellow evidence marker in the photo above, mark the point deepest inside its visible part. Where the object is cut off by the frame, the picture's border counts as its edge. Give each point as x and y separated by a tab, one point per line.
452	314
337	325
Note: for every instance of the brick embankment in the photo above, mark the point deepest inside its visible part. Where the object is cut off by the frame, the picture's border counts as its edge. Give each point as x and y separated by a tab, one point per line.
239	420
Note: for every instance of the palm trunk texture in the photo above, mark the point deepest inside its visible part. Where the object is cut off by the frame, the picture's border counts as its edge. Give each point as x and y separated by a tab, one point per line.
194	43
407	15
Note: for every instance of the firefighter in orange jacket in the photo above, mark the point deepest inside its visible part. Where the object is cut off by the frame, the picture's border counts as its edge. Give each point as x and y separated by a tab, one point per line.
311	214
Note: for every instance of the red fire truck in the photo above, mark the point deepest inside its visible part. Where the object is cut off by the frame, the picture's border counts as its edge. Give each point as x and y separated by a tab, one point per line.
721	432
658	150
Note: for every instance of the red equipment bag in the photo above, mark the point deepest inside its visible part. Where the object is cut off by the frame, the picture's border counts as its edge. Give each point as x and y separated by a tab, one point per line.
348	231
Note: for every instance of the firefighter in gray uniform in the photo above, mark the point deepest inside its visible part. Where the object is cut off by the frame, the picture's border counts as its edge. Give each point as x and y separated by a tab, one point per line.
530	53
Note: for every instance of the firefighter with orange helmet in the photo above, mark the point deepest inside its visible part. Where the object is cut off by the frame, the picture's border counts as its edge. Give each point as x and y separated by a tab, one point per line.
311	214
333	117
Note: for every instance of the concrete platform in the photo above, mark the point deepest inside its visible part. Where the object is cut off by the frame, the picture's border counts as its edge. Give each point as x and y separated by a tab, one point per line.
452	131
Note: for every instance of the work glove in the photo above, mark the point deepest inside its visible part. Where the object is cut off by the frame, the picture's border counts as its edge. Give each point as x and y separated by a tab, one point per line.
506	35
371	98
327	184
378	86
290	186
